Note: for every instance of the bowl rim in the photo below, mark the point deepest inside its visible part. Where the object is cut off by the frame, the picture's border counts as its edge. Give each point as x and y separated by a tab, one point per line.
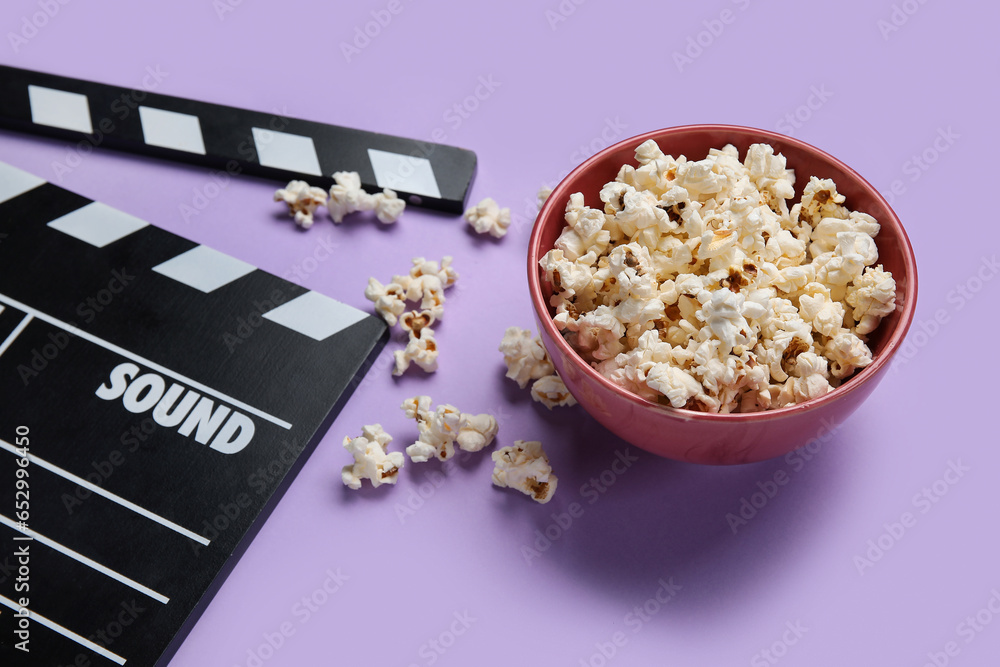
561	193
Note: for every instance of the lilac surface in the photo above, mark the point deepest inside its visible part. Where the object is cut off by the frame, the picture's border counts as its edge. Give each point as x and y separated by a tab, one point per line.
604	70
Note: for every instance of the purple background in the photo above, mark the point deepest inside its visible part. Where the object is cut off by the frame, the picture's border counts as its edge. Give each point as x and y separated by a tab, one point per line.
604	69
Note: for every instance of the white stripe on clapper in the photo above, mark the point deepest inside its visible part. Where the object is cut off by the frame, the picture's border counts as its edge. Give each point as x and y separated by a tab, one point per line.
143	361
80	558
65	474
15	333
68	634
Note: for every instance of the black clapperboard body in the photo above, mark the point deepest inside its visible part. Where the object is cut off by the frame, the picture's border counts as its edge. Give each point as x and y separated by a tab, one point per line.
161	433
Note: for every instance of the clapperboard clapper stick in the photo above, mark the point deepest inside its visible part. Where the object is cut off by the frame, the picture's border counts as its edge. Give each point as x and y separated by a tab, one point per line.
168	393
426	174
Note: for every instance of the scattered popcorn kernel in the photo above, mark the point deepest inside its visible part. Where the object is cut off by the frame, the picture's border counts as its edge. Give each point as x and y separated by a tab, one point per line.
543	194
525	467
476	431
425	283
371	461
414	321
389	299
527	361
442	427
447	274
346	196
302	201
388	206
420	350
551	392
525	357
416	406
697	284
487	217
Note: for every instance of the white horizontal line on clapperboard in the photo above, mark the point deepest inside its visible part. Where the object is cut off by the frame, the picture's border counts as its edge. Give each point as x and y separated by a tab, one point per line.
80	558
68	634
142	511
69	328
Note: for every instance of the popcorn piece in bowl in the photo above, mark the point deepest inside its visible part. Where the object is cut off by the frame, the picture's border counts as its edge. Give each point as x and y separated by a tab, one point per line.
525	467
699	287
873	296
487	217
302	201
441	428
371	461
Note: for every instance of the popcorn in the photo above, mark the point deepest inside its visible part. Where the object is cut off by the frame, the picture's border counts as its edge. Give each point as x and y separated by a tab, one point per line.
415	321
527	361
721	311
524	356
487	217
854	251
476	431
674	383
696	285
388	206
302	201
585	230
370	459
543	194
421	350
818	309
426	283
599	334
847	353
525	467
809	381
390	301
873	297
551	392
821	200
440	429
346	196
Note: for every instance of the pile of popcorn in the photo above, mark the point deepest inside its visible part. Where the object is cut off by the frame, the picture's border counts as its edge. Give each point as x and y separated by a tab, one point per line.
524	466
425	283
698	287
346	196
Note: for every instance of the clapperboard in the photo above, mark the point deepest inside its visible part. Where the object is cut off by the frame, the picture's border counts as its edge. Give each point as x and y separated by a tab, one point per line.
160	433
427	174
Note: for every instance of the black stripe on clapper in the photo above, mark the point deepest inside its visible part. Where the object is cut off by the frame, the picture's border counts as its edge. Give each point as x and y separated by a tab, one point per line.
229	143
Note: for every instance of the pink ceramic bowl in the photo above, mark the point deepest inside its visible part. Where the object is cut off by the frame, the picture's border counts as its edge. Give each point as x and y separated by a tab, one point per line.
717	438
